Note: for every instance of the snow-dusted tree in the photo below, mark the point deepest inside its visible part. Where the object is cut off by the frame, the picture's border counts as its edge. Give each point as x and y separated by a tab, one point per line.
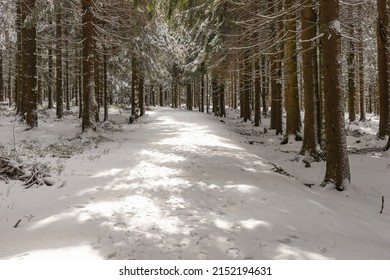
383	67
58	52
337	162
89	102
310	89
30	62
293	125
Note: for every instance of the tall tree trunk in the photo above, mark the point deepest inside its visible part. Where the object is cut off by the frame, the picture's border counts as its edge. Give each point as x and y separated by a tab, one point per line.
30	64
96	67
351	74
309	57
80	80
89	102
222	109
50	78
161	96
134	86
22	98
337	162
189	96
59	90
264	86
105	90
293	122
215	93
18	58
246	90
276	76
67	77
383	67
202	90
2	97
362	99
257	93
141	93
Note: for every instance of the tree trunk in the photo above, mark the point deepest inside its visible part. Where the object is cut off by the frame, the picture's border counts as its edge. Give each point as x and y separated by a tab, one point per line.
222	109
67	77
264	86
383	67
293	122
362	99
19	66
89	102
246	90
59	91
141	94
30	65
105	90
134	86
2	97
309	57
50	78
189	96
257	93
215	92
351	75
276	77
161	96
337	162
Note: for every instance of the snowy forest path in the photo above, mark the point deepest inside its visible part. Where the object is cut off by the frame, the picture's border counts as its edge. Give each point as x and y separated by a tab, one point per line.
180	185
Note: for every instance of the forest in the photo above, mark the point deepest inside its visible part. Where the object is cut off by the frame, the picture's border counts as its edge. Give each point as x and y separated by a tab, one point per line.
165	122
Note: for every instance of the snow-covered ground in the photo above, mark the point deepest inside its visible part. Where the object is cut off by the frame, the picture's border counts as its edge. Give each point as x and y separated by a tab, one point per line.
185	185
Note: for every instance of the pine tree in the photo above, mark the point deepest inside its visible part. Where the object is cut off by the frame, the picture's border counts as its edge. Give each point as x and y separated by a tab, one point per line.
58	52
337	162
29	35
383	67
309	57
293	125
89	102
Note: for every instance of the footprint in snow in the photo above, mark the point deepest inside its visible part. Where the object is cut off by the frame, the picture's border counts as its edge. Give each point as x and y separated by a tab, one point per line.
233	251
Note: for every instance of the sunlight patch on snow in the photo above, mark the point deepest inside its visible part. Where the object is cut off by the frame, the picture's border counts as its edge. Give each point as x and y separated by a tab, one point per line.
289	252
161	157
223	224
135	212
108	173
50	220
81	252
193	136
241	188
253	224
149	170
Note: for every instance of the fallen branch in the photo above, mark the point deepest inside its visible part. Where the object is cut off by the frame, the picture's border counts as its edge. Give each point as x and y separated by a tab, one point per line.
29	175
383	204
17	223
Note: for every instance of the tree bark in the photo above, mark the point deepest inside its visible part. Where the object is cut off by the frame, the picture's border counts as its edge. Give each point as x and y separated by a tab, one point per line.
59	90
50	79
337	162
2	97
257	93
293	122
309	56
89	102
351	74
362	99
30	64
383	67
276	77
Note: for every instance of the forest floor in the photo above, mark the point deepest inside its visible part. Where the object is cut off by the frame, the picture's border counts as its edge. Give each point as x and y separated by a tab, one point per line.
186	185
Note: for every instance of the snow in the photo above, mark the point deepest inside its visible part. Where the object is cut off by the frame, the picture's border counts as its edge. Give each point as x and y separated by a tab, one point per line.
183	185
